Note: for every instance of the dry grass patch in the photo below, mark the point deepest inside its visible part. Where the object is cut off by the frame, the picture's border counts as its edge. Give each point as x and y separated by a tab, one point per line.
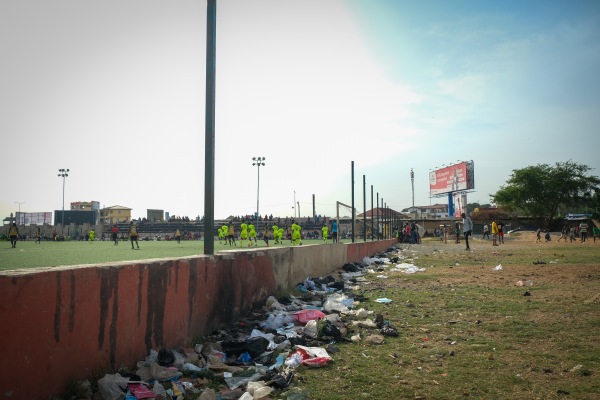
469	330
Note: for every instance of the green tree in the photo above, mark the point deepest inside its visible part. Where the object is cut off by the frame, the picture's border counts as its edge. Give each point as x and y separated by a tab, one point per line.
545	191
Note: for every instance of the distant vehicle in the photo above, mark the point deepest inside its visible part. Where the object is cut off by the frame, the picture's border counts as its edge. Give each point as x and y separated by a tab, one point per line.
524	228
577	217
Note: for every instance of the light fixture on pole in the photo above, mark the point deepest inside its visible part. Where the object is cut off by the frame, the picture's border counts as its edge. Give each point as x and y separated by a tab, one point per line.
63	173
19	212
258	162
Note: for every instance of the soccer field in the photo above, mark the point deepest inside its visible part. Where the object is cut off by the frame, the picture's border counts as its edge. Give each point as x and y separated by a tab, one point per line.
29	254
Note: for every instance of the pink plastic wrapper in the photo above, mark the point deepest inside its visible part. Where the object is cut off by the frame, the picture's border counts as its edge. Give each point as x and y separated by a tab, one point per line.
308	315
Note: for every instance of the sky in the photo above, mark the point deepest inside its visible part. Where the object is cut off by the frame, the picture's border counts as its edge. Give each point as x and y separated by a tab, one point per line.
114	90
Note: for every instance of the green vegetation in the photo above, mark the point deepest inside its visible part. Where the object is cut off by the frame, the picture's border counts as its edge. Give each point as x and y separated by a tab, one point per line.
549	192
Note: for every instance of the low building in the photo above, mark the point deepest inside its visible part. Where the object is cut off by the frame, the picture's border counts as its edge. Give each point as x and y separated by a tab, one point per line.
115	214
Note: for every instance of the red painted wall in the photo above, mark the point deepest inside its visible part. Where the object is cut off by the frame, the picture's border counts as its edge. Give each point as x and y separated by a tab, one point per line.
62	323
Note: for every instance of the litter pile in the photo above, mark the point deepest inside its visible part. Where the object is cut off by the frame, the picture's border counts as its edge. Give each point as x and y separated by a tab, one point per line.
259	356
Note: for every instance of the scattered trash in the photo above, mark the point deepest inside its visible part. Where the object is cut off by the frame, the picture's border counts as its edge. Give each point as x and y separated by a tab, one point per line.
258	356
524	283
498	267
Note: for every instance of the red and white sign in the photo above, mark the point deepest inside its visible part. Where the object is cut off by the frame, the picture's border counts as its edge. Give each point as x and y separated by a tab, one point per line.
449	179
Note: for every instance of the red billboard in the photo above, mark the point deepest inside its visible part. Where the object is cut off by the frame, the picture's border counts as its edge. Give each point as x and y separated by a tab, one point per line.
454	178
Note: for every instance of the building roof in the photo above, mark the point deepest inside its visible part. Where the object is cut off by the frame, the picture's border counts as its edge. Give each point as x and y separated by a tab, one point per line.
115	208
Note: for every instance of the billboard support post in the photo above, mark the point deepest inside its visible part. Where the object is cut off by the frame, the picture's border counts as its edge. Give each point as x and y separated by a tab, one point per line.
451	204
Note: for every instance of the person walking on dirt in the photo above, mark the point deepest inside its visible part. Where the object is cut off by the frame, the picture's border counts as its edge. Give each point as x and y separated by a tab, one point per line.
583	226
486	232
467	229
494	233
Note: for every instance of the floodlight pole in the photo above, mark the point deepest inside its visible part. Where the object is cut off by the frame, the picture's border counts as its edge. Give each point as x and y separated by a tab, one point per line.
258	162
209	128
63	173
412	181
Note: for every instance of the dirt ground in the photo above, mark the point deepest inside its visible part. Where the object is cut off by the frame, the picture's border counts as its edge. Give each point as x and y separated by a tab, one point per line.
524	262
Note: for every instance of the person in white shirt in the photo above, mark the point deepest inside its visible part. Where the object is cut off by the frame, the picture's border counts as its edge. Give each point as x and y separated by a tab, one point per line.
467	229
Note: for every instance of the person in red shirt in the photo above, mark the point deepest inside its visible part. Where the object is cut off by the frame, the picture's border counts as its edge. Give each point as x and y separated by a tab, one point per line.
115	233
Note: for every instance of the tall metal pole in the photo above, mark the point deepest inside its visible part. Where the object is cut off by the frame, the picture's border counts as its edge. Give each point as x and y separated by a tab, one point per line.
372	213
412	181
378	238
364	208
352	177
258	162
294	206
19	212
382	219
209	128
63	173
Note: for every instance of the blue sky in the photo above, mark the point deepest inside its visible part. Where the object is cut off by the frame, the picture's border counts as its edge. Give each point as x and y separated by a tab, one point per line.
114	91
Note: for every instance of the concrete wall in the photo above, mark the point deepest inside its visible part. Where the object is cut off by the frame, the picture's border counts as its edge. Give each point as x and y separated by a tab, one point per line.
63	323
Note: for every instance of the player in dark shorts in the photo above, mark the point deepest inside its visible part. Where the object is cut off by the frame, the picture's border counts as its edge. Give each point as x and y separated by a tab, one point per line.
133	235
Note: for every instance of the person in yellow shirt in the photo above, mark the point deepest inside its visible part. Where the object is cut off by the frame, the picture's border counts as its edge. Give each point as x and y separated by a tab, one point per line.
231	234
243	232
178	235
133	235
296	235
13	234
225	230
325	230
251	234
494	233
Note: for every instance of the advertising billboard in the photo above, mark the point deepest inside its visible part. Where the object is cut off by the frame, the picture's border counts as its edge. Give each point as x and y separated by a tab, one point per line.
460	204
454	178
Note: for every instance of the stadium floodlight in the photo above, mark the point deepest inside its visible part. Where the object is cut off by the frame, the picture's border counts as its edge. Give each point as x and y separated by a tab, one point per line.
63	173
258	162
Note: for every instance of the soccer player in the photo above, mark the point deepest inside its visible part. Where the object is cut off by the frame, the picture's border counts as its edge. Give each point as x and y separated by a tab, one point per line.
243	232
13	234
296	235
220	233
251	234
266	234
133	235
231	234
225	230
115	233
275	234
325	232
